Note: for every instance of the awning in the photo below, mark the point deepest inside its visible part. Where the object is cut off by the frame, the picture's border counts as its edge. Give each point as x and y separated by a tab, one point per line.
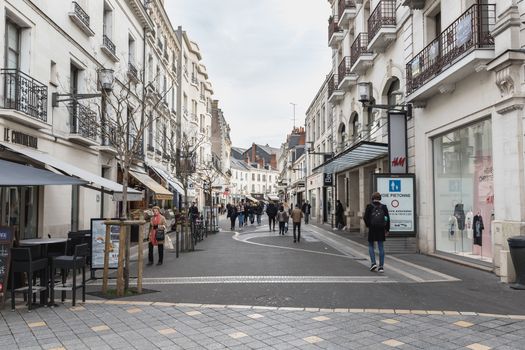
359	154
14	174
250	198
94	181
173	182
273	197
161	193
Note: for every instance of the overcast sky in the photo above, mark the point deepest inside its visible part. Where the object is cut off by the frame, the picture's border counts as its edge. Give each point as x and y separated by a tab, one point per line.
261	55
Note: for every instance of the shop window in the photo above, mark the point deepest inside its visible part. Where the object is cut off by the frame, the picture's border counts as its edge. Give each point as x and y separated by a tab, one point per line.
464	195
19	209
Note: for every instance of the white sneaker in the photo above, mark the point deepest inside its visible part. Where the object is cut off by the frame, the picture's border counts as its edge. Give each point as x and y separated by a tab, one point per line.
373	267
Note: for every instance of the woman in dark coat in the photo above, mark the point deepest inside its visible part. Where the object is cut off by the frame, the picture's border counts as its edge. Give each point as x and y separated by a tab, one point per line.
377	220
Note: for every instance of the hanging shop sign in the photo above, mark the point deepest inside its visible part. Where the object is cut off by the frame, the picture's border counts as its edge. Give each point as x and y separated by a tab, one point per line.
328	179
397	142
398	193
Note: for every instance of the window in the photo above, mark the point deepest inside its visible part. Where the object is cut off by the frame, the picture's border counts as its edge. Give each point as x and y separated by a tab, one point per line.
264	177
12	45
258	177
269	177
107	21
53	74
253	177
253	188
131	50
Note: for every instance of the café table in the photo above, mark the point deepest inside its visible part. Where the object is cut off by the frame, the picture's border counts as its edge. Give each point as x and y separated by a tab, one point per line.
40	248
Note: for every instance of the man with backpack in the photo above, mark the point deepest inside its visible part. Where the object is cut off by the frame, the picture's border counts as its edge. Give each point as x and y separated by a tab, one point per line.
271	210
377	220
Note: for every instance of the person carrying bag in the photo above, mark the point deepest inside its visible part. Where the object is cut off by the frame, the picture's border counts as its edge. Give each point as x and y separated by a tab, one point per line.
157	235
377	220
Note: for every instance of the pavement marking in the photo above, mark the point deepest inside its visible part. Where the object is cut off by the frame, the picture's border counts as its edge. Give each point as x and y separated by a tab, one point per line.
334	241
250	279
100	328
477	346
463	324
134	310
60	348
313	339
321	318
238	335
77	308
193	313
390	321
36	324
167	331
393	343
255	316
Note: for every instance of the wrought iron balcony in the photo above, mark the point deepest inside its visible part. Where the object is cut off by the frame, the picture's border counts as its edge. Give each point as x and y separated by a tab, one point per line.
194	78
132	71
335	34
109	47
83	122
108	137
334	93
81	18
347	11
24	94
471	31
346	77
361	57
382	25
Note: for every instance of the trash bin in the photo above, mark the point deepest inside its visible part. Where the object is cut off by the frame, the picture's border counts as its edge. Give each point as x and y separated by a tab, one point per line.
517	252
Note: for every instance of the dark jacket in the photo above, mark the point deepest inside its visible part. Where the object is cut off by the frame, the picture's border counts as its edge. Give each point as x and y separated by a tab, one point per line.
271	210
375	234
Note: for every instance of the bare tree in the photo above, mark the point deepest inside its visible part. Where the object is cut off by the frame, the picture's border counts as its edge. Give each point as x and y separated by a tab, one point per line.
209	172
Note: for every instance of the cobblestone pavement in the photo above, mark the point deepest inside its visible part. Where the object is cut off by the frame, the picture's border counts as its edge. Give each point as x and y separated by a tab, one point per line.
146	325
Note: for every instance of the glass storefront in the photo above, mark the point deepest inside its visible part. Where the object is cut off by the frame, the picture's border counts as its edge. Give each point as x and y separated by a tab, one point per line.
19	210
463	191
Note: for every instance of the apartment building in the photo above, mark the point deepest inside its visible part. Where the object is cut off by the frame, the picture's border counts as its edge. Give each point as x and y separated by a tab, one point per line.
291	163
457	64
57	58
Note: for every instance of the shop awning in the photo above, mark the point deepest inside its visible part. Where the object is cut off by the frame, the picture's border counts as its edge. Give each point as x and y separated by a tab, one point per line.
161	193
14	174
93	181
250	198
359	154
272	197
173	182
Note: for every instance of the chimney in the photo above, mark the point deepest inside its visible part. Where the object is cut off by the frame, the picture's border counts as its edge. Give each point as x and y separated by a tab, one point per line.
273	161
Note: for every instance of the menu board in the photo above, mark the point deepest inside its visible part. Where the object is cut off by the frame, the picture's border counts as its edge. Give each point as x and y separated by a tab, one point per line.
6	242
98	238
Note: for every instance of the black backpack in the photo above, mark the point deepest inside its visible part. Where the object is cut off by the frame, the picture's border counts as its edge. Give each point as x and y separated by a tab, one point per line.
377	216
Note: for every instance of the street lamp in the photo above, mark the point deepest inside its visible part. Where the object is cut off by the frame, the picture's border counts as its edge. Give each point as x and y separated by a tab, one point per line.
105	77
365	93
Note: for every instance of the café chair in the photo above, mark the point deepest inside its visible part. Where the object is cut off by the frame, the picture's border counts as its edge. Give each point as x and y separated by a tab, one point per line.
75	263
22	261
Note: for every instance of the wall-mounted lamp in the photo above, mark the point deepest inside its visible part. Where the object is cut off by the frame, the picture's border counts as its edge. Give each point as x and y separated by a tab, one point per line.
105	77
366	97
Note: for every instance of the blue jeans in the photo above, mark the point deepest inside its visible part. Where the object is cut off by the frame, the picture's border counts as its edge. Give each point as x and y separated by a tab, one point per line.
372	253
241	220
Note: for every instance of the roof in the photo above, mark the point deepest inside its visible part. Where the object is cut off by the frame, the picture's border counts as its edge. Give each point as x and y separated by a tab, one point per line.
239	164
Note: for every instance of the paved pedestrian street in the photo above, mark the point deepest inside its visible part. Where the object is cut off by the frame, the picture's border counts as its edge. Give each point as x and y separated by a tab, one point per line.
147	325
254	289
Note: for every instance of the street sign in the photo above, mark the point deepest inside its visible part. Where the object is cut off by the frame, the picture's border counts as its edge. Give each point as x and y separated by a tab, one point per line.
98	234
398	193
328	179
397	142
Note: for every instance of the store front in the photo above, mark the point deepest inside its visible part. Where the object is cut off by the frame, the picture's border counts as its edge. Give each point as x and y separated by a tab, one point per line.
19	210
464	191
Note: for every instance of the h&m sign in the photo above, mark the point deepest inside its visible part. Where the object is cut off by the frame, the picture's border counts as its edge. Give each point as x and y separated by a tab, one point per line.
20	138
328	179
397	142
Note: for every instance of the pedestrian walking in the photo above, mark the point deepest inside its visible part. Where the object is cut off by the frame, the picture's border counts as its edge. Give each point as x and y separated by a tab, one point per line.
306	211
246	213
271	211
297	215
156	235
339	215
259	211
240	214
377	220
282	217
251	213
232	214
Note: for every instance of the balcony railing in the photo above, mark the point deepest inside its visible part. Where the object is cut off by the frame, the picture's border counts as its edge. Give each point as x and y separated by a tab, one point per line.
80	13
24	94
383	15
166	56
344	5
133	70
333	83
83	122
108	44
359	47
160	45
193	78
469	32
344	67
109	135
333	26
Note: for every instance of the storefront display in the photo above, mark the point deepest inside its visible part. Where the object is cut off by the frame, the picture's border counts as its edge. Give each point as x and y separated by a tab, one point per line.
464	197
19	210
